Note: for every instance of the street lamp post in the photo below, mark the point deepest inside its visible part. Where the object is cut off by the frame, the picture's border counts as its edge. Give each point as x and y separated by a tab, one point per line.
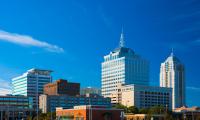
166	107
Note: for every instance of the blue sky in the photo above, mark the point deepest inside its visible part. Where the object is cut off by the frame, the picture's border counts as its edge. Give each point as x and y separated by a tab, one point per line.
71	37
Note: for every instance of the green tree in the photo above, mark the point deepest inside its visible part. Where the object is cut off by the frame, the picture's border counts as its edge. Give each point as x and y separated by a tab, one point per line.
133	109
197	117
120	106
41	116
156	110
143	111
45	116
29	118
51	115
168	116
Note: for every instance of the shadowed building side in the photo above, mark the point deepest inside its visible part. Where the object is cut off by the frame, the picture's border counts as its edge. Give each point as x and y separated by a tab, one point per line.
172	75
62	87
123	66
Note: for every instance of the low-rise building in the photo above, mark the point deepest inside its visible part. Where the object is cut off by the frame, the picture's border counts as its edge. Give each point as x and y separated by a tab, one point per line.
142	96
90	90
13	107
88	112
187	109
50	102
62	87
144	117
192	113
146	96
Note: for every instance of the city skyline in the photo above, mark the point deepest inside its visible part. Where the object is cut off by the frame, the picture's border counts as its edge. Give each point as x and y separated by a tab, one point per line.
71	37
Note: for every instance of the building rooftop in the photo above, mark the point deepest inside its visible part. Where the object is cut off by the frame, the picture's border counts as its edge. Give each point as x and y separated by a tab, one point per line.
173	58
36	69
123	50
185	108
60	81
88	107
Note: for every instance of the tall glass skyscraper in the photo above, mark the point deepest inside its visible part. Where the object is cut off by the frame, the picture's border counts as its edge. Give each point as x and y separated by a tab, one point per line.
31	83
172	74
123	66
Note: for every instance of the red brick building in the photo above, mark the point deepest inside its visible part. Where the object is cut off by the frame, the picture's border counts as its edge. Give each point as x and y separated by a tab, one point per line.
89	113
62	87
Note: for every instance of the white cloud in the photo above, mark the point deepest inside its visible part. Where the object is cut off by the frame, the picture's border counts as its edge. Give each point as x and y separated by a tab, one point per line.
4	83
193	88
28	41
4	91
197	41
5	87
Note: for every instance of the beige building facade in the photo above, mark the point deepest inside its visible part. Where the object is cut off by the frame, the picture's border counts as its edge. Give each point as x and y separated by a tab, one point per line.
146	96
142	96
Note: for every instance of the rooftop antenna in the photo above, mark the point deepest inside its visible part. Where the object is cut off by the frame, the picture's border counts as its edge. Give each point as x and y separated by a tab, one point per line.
122	42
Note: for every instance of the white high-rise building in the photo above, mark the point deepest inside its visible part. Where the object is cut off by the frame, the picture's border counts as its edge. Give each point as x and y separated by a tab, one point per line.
123	66
31	83
172	75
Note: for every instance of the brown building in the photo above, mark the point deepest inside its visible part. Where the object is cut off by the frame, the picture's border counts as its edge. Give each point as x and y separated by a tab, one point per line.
89	113
62	87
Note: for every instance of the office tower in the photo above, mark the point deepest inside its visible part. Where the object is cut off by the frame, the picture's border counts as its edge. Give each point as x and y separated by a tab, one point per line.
62	87
123	66
172	75
31	83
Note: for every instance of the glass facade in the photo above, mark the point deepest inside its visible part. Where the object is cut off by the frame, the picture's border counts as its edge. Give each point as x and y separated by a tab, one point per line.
16	102
90	90
50	102
123	66
172	74
31	83
146	96
15	107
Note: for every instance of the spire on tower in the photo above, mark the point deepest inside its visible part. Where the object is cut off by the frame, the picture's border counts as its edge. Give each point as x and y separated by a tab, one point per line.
172	52
122	42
